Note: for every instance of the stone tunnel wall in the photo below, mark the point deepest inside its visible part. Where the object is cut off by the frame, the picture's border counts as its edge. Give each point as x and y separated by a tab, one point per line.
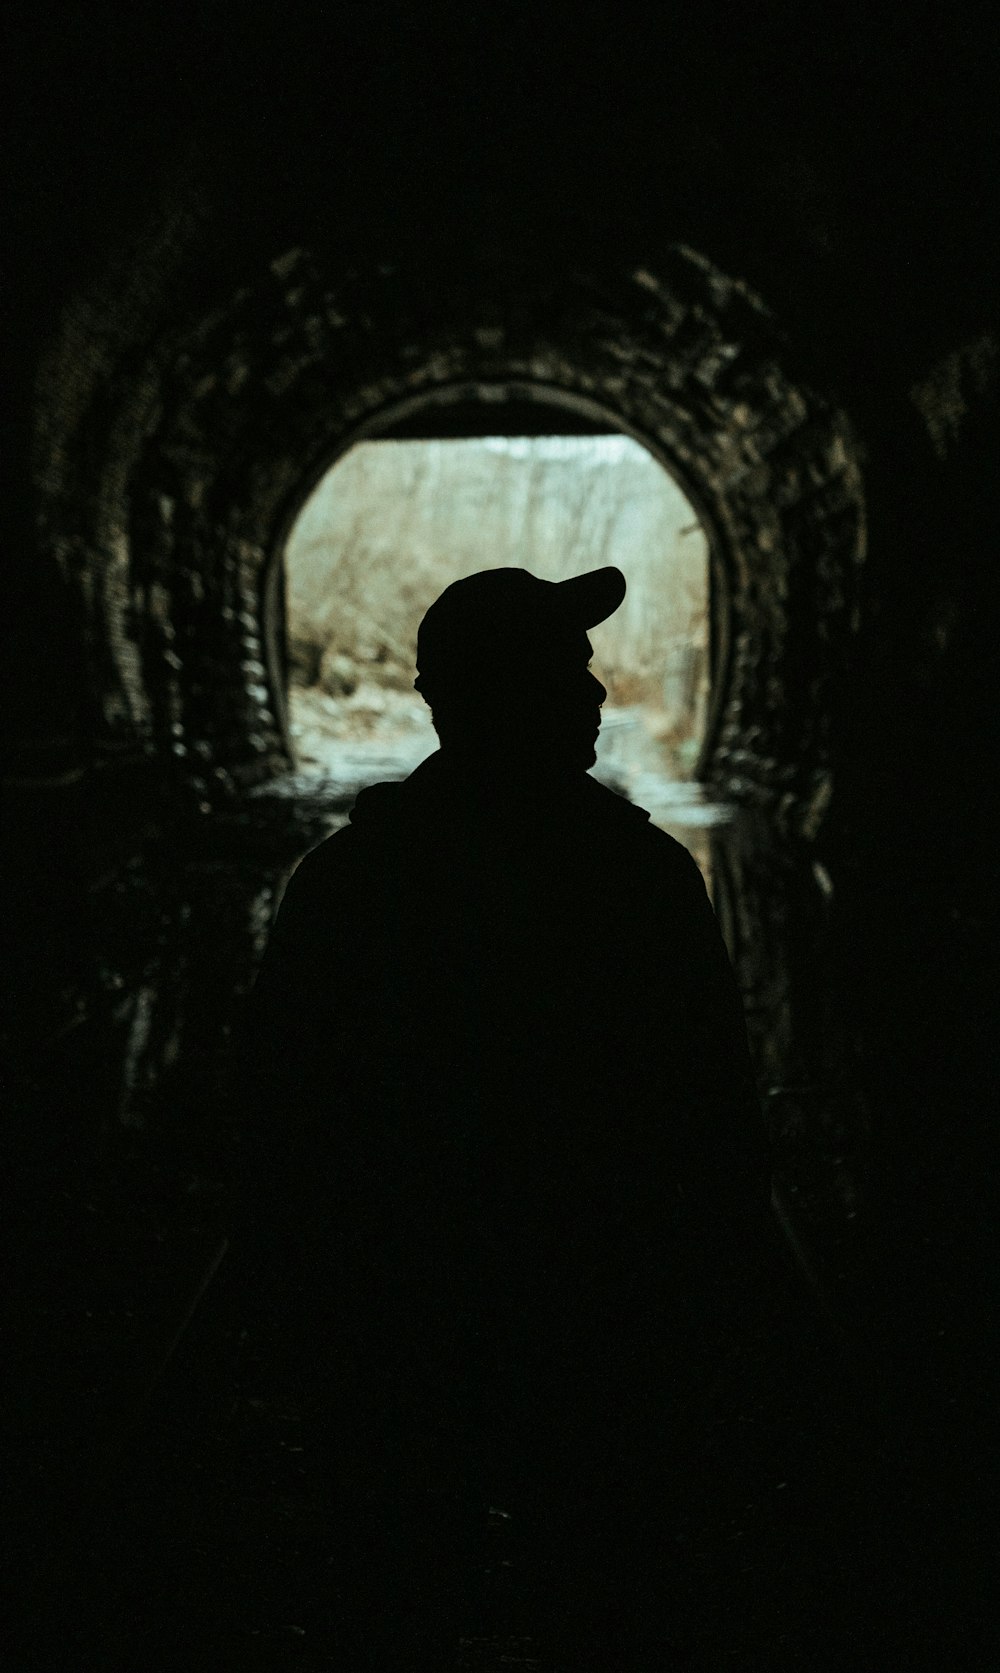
175	498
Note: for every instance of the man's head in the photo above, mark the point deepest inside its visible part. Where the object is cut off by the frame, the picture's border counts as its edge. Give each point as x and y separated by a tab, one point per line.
503	662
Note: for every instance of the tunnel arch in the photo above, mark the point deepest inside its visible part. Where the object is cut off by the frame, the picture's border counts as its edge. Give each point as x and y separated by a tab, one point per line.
215	433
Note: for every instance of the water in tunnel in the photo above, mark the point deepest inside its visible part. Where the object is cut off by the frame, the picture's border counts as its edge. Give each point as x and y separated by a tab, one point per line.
393	522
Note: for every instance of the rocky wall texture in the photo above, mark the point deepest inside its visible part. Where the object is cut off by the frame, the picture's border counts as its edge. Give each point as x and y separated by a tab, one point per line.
229	419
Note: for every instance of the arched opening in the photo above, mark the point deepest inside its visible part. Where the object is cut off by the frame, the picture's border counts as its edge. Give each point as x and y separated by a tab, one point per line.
445	493
231	419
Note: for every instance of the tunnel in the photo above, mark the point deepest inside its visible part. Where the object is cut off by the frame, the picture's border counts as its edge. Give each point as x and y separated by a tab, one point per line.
181	570
795	323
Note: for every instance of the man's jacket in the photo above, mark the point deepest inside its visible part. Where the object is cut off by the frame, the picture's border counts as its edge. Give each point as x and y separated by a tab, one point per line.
496	1030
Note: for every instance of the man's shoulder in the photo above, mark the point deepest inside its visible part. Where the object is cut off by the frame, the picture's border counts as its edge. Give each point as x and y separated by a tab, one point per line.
633	825
385	814
321	869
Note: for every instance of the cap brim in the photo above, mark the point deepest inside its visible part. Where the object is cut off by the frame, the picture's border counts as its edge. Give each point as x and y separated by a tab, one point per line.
591	598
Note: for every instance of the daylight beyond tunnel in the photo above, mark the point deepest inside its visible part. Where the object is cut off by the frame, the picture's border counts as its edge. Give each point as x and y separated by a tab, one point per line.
393	522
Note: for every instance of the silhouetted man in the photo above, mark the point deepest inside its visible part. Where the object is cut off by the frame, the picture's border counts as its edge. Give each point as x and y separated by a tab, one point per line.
499	1064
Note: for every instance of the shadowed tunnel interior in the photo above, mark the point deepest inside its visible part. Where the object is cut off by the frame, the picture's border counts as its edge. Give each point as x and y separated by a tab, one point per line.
238	258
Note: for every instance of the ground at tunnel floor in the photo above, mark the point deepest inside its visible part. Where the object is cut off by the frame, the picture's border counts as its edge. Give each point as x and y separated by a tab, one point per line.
234	1533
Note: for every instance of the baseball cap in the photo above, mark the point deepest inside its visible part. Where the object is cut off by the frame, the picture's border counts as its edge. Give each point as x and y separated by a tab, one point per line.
486	616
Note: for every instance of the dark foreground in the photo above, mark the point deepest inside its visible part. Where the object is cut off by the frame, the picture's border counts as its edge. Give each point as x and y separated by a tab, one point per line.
797	1498
239	1527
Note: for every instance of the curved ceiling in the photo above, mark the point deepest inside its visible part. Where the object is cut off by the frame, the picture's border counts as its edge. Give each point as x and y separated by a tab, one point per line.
173	498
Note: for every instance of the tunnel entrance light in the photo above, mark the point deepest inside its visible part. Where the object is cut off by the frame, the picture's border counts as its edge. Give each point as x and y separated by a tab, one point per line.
394	521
